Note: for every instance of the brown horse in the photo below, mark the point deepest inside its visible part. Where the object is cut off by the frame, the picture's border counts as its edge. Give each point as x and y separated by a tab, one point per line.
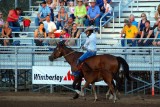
100	67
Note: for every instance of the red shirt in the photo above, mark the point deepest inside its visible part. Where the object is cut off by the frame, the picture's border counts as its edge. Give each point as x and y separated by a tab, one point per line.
14	14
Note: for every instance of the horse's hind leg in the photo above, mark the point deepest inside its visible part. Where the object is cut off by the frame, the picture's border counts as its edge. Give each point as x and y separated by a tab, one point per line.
112	91
94	91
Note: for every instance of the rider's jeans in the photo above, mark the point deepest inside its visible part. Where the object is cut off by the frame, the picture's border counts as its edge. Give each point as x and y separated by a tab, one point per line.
87	55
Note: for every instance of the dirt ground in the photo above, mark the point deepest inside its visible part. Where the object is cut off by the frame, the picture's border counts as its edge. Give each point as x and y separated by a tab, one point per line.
65	100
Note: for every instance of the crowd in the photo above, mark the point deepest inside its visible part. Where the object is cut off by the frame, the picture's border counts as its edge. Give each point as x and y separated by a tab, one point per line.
71	16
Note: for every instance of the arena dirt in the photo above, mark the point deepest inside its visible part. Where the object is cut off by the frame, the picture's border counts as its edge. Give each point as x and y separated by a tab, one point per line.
65	100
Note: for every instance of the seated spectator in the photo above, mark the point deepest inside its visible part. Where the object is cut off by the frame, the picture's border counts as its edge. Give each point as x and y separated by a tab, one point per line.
71	9
69	24
52	6
62	18
75	33
100	3
49	26
141	23
39	34
1	21
132	20
80	13
65	35
93	15
13	17
130	32
43	11
6	33
147	33
107	9
157	17
156	41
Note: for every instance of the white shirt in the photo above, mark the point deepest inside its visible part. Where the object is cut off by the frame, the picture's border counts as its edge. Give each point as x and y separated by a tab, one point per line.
49	26
108	6
90	43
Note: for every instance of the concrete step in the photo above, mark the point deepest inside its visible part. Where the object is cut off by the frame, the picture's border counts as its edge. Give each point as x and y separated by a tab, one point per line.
109	35
140	9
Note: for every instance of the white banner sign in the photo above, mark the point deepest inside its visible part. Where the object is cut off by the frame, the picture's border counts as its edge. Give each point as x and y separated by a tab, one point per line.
54	75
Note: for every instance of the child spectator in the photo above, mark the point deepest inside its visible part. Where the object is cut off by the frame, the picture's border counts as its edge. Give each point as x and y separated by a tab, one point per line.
71	9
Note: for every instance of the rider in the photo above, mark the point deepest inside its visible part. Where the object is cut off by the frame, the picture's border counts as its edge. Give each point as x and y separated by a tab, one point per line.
89	45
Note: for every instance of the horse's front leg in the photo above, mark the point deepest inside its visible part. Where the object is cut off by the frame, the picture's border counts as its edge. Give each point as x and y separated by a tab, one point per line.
77	86
82	89
94	91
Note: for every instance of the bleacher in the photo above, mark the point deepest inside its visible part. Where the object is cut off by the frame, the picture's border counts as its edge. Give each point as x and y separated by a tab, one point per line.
146	59
109	36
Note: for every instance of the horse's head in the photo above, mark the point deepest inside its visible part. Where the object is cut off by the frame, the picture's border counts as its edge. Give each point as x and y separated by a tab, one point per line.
57	52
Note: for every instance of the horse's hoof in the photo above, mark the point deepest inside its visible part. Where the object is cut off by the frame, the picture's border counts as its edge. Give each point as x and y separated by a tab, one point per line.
82	94
110	97
76	96
95	100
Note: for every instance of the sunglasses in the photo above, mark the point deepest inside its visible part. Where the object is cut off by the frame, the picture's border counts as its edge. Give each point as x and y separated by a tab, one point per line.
143	16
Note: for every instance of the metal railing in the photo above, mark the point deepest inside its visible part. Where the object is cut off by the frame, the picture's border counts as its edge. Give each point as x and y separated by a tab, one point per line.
24	57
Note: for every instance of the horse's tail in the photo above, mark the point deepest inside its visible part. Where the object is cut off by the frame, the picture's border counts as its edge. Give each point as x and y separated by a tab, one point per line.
125	67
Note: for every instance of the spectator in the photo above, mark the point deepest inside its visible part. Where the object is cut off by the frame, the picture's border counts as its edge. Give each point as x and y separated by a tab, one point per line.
80	13
107	9
130	32
157	17
147	33
6	33
43	11
93	15
141	23
49	26
13	17
132	20
65	34
156	41
1	21
75	33
71	9
69	24
62	4
62	18
99	3
39	34
52	6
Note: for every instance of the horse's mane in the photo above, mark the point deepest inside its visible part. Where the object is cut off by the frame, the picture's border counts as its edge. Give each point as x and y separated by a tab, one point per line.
70	49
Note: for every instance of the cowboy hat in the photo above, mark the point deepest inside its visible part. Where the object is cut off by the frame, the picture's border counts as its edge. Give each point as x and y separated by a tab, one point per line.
89	28
92	1
44	2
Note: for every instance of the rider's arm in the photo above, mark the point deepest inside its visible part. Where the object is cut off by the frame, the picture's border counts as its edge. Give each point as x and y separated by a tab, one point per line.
86	43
